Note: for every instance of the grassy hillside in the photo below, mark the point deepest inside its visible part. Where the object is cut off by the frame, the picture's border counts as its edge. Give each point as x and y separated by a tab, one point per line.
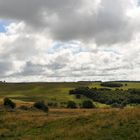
36	91
57	92
64	124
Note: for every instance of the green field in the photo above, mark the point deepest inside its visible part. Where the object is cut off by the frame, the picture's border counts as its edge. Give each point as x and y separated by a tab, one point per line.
102	123
30	92
56	92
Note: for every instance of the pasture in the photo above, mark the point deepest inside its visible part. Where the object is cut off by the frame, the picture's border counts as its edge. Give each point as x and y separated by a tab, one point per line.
60	123
53	92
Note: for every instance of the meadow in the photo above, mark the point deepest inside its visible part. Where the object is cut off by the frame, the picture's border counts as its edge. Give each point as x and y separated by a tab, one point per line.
71	124
50	92
60	123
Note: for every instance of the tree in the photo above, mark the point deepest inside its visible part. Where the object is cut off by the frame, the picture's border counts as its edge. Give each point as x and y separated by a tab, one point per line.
88	104
9	103
116	105
111	84
41	105
78	96
71	104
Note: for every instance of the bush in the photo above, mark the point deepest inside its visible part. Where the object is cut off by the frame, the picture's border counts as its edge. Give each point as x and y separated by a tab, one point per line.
9	103
111	84
78	96
88	104
71	104
41	105
116	105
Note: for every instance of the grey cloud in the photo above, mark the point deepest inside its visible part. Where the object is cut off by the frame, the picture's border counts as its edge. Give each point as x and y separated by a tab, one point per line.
31	11
25	52
109	25
61	61
67	20
31	69
5	67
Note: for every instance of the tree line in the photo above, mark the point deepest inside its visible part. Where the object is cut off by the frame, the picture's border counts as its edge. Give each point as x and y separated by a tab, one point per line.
108	96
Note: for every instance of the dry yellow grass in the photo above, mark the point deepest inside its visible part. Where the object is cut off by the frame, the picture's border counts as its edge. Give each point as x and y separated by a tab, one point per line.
71	124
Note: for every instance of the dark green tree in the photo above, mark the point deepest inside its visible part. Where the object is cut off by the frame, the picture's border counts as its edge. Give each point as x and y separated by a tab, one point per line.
9	103
41	105
88	104
71	104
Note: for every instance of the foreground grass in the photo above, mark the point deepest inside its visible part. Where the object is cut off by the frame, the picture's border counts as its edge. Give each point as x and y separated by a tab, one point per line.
66	124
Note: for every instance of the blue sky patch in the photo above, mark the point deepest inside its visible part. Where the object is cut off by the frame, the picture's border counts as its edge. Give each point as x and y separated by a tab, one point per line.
73	46
3	23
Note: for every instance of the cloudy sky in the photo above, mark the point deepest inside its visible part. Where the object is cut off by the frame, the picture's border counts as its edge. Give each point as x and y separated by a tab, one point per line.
69	40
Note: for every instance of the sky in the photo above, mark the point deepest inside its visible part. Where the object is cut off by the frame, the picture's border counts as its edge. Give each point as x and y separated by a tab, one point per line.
69	40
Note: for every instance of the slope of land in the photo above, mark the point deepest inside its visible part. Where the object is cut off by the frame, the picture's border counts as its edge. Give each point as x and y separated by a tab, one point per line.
67	124
102	123
56	92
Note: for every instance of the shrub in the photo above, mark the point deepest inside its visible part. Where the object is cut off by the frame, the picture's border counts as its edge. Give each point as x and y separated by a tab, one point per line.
71	104
41	105
88	104
9	103
116	105
105	89
78	96
111	84
124	103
